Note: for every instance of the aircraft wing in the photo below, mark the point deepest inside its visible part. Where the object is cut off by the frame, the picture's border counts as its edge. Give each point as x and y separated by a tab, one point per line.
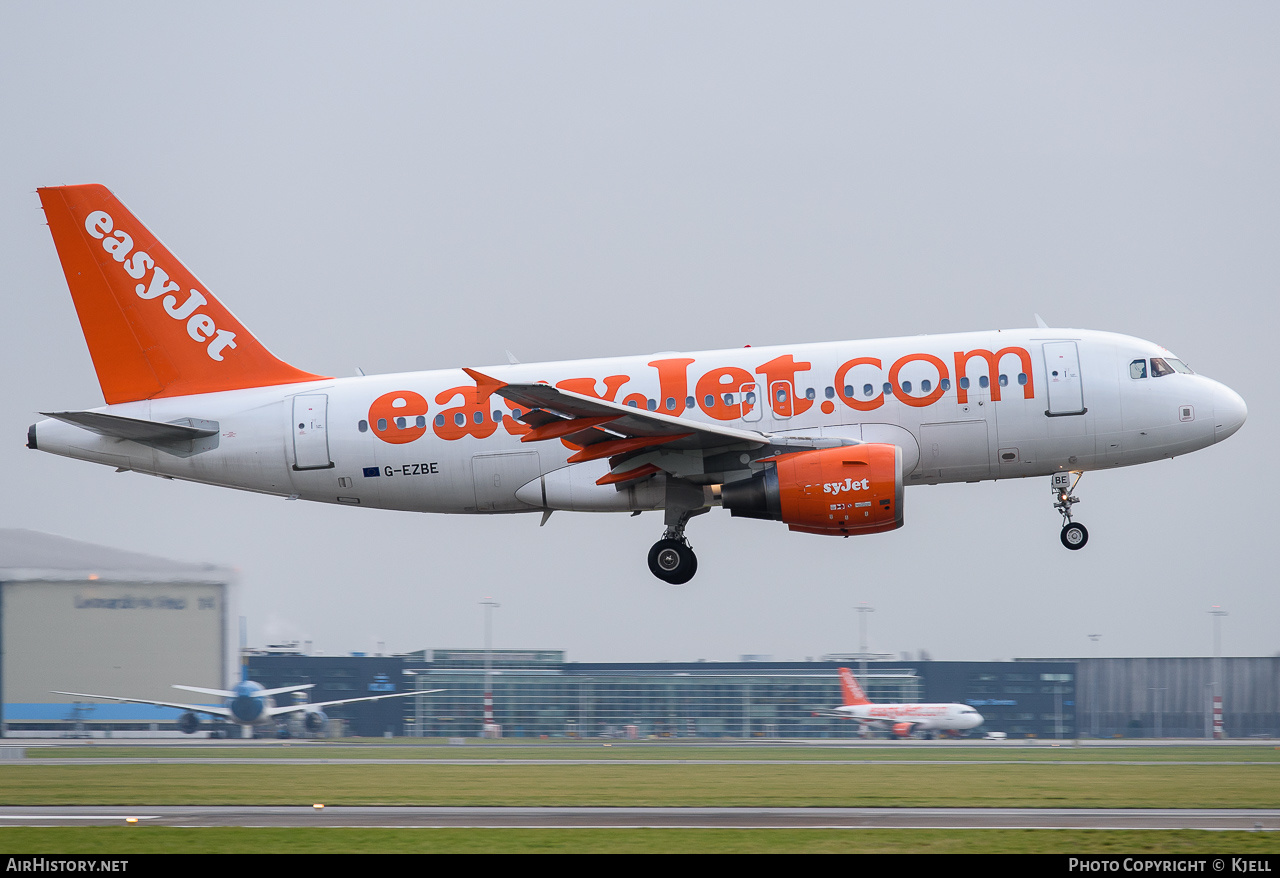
194	708
294	708
600	428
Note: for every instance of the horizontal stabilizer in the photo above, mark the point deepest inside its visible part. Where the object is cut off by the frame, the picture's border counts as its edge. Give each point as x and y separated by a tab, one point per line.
136	429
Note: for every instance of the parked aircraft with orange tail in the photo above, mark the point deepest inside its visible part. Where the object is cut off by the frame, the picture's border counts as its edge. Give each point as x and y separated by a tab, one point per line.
904	720
822	437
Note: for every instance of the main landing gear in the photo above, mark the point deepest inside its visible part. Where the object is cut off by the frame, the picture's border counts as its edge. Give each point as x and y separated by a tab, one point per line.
671	559
1074	535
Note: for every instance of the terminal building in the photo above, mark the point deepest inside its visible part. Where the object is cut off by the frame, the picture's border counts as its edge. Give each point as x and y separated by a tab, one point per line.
537	693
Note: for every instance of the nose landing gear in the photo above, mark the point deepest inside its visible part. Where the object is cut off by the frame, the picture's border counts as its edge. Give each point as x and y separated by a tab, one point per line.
1074	535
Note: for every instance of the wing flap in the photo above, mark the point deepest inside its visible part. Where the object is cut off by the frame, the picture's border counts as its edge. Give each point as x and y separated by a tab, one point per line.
553	409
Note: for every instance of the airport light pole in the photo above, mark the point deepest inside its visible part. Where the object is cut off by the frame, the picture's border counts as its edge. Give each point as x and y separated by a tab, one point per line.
1159	712
863	609
1217	613
1093	687
489	605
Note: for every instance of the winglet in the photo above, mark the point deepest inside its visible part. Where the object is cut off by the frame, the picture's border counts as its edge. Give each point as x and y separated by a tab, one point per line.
153	330
849	688
484	381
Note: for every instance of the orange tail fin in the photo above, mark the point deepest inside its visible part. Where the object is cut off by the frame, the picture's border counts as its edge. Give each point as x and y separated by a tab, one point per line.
851	690
153	330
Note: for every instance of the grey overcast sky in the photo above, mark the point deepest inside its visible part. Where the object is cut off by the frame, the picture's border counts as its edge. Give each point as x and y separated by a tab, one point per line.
403	186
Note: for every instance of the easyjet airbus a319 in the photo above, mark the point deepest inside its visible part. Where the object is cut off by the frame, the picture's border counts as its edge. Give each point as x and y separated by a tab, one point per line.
822	437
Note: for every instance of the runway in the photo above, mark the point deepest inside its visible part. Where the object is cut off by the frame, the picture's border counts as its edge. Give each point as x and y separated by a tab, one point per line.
689	818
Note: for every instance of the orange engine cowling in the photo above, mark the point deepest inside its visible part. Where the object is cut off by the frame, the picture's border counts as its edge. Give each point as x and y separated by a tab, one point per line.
853	489
903	730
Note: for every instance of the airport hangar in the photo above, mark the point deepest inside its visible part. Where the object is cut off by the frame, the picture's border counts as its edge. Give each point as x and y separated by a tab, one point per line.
85	618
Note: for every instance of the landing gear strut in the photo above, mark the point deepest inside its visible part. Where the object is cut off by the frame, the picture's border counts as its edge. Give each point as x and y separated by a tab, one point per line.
671	559
1074	535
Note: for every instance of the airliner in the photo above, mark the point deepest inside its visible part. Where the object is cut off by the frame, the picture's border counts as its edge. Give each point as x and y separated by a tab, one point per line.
822	437
904	720
249	705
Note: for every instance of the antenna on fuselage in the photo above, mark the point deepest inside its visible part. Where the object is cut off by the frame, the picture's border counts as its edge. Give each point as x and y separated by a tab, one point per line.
1040	322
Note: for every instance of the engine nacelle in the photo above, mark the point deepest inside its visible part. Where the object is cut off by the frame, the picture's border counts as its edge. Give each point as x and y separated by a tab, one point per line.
315	721
903	730
188	723
852	489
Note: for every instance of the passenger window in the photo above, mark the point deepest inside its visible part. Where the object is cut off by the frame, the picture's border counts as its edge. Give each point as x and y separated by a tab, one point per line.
1022	378
906	386
1004	380
439	422
1138	369
363	426
984	382
459	419
926	385
671	403
651	404
888	389
382	425
810	393
945	383
478	417
964	383
867	390
399	423
709	401
420	421
830	393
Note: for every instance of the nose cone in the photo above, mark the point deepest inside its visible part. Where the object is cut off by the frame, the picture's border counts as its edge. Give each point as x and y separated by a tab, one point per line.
1229	412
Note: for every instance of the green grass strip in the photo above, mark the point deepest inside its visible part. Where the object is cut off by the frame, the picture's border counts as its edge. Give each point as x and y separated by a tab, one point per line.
215	840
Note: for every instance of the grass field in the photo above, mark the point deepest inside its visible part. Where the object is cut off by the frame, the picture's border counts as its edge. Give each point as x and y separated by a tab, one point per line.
213	840
663	774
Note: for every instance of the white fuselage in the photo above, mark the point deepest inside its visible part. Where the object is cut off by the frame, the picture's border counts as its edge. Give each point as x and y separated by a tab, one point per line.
919	717
963	407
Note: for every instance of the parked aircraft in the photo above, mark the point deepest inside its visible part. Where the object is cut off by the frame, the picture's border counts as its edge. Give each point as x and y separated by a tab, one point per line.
249	705
904	720
822	437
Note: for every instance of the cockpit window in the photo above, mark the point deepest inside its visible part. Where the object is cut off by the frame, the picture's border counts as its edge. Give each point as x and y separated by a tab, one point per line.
1138	369
1159	368
1180	366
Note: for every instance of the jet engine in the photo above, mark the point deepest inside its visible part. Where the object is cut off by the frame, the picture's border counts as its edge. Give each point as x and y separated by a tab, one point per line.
314	721
903	730
188	723
852	489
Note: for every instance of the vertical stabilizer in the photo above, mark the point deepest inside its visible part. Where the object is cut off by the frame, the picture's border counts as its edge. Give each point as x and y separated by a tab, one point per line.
153	330
852	692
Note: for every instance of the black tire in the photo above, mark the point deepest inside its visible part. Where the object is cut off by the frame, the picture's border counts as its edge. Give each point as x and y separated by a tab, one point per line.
1074	536
673	561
